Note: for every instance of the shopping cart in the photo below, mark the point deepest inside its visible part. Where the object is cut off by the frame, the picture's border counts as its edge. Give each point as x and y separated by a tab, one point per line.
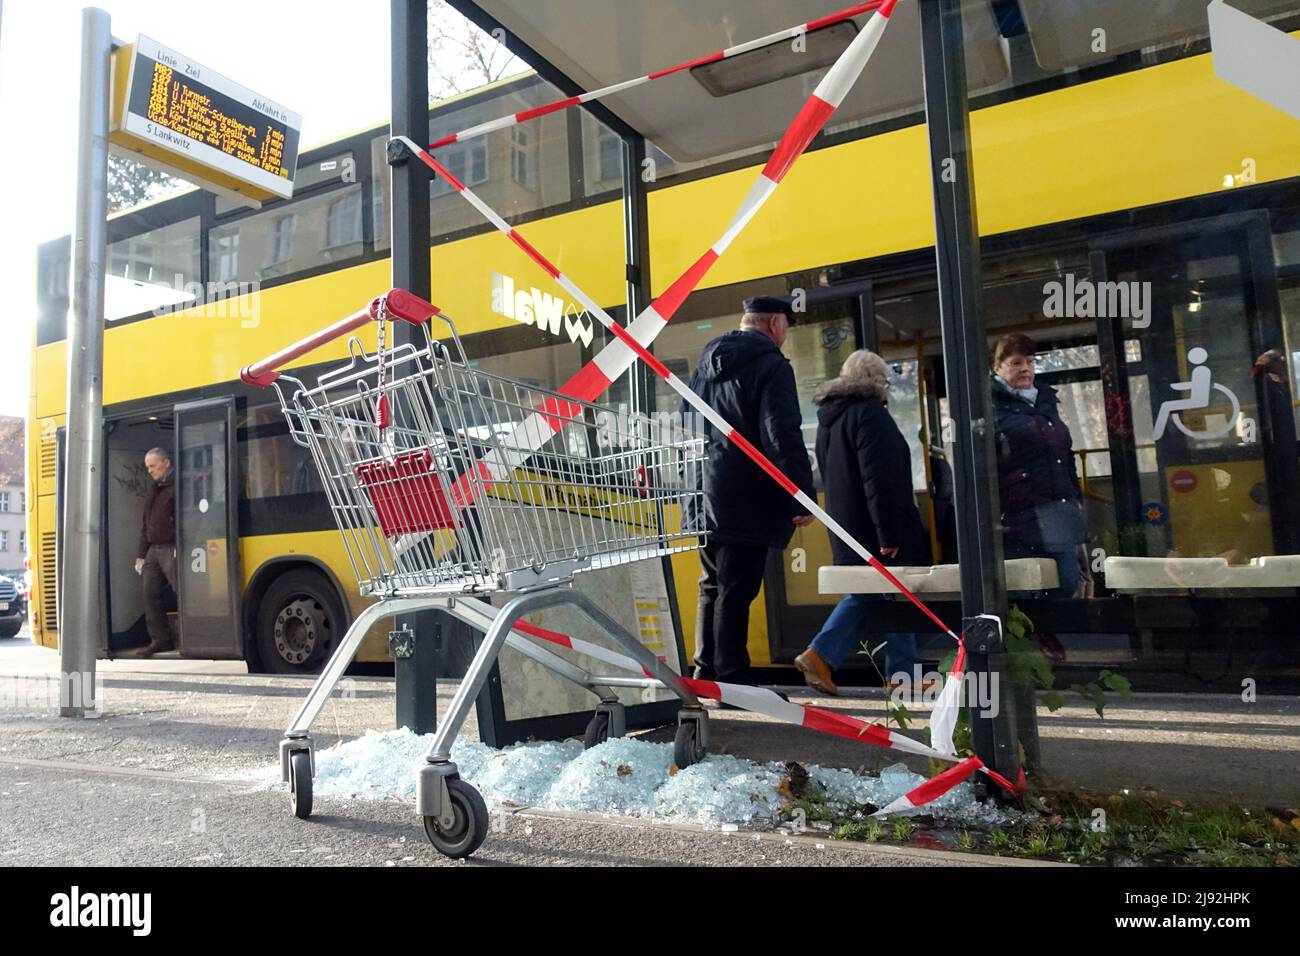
450	484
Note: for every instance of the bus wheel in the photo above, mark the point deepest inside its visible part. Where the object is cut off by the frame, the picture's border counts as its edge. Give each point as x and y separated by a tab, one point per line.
299	622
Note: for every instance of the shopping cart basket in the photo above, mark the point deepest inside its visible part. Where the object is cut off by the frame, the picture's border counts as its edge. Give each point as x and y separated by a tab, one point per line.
449	484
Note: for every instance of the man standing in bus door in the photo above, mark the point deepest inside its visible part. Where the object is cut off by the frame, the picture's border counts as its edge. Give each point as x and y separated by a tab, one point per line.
744	376
156	556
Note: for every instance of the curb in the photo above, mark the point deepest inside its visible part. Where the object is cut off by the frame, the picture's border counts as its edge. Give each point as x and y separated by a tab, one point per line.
768	836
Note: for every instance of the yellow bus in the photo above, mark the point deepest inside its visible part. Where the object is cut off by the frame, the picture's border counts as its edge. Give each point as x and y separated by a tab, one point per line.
1135	168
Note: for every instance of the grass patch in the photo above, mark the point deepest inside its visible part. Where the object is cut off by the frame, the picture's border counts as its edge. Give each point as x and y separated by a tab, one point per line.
1091	829
866	831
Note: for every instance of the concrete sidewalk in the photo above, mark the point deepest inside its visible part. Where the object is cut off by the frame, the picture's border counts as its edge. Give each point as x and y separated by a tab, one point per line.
174	734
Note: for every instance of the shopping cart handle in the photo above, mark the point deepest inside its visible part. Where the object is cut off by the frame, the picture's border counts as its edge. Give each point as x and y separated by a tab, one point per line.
399	303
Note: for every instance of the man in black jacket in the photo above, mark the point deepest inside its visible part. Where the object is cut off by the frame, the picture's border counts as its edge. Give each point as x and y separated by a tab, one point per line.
156	556
744	376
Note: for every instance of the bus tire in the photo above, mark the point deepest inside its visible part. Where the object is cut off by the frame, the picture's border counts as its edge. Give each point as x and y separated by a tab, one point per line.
300	621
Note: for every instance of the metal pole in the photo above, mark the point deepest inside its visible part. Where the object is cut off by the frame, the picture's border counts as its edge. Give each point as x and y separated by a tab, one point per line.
636	252
82	621
965	351
415	662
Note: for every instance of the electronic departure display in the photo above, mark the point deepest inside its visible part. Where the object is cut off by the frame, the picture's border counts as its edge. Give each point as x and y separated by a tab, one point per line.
206	120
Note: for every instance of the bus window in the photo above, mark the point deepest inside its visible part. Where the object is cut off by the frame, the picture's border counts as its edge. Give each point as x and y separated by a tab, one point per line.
155	270
289	238
817	348
276	470
1208	494
1290	298
1286	249
905	407
517	171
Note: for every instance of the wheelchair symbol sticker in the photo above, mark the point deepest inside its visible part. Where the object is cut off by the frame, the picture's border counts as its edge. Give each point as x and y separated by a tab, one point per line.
1198	397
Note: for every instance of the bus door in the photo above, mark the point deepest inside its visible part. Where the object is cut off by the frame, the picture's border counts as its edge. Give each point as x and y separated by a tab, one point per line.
207	542
827	332
1202	445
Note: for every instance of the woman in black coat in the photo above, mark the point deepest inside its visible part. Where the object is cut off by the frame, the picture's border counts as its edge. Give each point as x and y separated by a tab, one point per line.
1042	511
866	469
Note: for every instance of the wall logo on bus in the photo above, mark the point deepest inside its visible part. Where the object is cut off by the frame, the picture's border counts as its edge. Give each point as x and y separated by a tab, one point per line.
532	306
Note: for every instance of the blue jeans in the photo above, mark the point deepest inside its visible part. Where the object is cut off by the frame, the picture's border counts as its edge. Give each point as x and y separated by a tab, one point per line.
841	635
1060	531
1066	557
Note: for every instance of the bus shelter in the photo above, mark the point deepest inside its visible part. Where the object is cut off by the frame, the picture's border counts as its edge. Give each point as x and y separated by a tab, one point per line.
1191	507
747	103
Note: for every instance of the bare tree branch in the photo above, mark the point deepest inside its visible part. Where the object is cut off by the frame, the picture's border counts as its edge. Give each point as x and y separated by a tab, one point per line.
461	56
130	184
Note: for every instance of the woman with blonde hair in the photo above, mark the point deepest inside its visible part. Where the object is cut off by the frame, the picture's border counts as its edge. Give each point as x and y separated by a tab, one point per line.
866	470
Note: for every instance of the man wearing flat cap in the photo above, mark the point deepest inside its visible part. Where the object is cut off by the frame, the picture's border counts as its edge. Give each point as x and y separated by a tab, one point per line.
747	380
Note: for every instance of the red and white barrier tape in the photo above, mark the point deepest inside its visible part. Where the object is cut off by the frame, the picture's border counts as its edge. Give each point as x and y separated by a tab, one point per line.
943	719
524	116
760	700
631	343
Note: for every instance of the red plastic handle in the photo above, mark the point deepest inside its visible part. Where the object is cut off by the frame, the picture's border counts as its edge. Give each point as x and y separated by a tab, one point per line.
399	304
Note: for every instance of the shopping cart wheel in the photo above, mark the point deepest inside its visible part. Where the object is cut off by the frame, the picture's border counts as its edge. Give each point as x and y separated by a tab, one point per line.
687	748
609	720
597	730
469	826
300	784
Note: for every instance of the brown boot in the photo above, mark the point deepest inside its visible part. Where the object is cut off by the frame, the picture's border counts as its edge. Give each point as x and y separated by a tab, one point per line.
816	673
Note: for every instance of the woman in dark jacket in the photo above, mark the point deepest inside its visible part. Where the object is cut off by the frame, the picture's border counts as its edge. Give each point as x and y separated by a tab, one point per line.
1042	512
866	468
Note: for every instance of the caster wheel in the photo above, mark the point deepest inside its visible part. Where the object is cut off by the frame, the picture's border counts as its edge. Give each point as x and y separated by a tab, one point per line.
597	731
300	784
468	828
686	745
982	792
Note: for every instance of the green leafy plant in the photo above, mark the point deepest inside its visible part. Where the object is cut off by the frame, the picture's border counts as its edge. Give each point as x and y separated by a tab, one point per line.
902	828
1028	666
869	831
897	713
1142	827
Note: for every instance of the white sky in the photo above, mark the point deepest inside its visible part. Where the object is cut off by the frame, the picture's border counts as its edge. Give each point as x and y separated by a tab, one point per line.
325	59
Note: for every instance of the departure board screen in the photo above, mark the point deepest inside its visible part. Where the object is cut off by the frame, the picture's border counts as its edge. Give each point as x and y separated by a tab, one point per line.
190	110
